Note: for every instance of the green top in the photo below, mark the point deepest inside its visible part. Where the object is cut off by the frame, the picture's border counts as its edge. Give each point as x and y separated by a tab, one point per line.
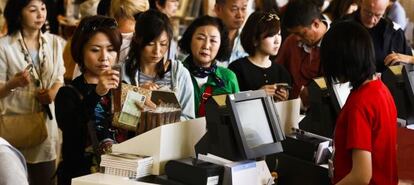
231	85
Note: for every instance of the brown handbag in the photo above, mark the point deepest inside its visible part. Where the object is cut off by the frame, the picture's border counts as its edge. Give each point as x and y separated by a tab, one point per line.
27	130
24	130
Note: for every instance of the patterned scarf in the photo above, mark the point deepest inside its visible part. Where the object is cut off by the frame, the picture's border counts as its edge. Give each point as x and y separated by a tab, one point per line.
202	72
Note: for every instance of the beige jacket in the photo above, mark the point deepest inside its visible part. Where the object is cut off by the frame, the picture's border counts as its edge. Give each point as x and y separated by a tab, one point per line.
22	100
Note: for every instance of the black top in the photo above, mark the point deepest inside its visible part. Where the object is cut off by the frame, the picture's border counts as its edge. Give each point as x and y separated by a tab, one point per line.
387	38
83	104
76	106
253	77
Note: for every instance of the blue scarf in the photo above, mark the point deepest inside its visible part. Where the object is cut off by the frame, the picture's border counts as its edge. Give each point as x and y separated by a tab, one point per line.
202	72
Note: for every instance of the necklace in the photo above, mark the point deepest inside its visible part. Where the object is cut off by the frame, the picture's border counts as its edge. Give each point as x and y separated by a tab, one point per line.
37	74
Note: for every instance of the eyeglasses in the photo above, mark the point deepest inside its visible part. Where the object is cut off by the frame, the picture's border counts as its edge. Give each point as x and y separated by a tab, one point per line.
99	23
269	17
371	14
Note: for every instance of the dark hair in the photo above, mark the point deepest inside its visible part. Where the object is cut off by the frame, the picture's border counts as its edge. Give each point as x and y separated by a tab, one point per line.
347	54
258	26
149	25
338	8
104	7
87	28
268	6
185	42
318	3
153	3
220	2
300	13
13	14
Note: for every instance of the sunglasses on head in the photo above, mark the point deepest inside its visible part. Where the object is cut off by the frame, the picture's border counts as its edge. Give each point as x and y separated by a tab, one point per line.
99	23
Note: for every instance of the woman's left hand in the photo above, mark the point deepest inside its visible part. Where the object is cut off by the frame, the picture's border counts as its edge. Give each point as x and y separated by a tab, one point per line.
105	147
282	94
395	58
45	96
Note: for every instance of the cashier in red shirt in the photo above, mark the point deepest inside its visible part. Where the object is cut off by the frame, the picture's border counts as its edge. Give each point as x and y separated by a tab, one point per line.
365	134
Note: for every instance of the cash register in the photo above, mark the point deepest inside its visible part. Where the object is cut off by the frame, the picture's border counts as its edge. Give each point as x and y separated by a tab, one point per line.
240	127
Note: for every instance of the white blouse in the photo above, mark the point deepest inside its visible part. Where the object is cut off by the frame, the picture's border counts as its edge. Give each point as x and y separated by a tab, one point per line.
23	99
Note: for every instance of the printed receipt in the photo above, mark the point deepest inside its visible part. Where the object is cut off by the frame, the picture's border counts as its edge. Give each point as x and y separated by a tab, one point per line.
130	114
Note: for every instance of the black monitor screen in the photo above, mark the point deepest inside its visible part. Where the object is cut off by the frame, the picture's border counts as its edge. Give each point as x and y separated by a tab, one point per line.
325	103
241	126
409	74
255	123
399	80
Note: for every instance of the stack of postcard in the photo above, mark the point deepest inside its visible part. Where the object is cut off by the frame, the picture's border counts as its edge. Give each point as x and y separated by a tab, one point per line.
126	165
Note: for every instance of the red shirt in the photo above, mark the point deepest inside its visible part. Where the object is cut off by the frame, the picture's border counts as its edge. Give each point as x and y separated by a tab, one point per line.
368	121
302	65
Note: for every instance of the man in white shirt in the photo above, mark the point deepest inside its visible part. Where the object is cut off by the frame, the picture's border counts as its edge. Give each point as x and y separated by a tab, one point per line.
233	13
13	168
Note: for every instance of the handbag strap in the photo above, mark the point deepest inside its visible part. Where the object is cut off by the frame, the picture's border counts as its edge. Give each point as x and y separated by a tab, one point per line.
70	86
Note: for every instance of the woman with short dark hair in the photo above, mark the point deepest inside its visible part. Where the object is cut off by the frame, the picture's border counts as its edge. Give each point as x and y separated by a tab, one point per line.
90	27
206	41
83	109
261	38
31	72
365	133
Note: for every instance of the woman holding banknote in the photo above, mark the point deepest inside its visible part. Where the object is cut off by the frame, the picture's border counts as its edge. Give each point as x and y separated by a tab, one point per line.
83	109
147	67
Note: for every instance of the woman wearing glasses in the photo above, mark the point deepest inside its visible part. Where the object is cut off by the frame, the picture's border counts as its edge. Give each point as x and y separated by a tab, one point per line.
31	72
83	110
147	67
261	38
206	41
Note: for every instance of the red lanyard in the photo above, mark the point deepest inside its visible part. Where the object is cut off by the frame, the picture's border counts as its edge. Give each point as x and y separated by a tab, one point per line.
202	107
